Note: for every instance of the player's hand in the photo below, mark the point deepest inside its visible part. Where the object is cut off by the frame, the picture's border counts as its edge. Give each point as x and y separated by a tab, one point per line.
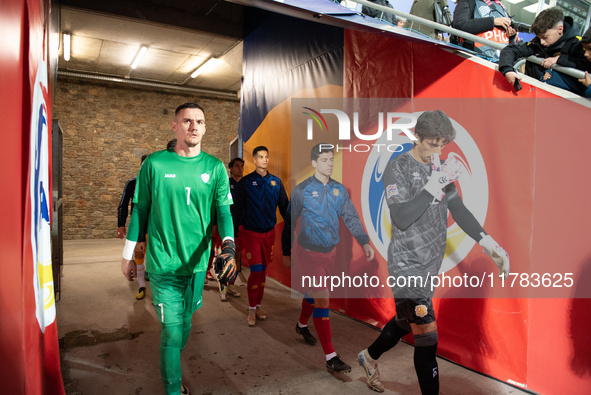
587	80
437	180
511	32
287	262
511	76
121	232
225	264
497	254
548	62
452	167
369	252
442	175
141	247
128	269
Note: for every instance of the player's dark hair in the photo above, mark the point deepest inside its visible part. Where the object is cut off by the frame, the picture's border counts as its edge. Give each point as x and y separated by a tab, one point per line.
144	156
321	148
586	39
257	149
231	164
187	105
171	144
550	18
435	124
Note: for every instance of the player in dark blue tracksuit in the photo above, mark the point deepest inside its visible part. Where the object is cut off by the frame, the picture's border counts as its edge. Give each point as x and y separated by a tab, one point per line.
259	195
319	201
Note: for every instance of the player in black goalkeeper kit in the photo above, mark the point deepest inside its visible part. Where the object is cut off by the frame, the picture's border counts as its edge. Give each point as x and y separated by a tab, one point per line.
180	188
419	190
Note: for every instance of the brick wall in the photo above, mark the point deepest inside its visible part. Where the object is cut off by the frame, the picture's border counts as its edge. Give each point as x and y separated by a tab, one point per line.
107	128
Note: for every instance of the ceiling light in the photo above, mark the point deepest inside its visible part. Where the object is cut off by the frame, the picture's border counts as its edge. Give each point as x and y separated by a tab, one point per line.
207	67
515	1
534	8
139	56
66	46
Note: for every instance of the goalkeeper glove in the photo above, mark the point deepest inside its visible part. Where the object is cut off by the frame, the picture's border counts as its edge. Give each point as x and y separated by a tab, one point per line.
442	175
497	254
225	264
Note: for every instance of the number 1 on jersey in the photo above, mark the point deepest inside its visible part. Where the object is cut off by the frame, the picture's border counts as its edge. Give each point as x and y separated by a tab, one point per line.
188	195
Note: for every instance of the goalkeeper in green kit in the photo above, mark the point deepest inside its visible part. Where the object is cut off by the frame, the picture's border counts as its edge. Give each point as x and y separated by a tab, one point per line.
179	188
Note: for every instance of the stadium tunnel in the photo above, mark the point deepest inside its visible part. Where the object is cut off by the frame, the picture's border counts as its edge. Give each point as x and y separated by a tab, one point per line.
278	57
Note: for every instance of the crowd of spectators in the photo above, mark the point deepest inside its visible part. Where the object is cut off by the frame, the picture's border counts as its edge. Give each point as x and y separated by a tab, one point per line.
556	40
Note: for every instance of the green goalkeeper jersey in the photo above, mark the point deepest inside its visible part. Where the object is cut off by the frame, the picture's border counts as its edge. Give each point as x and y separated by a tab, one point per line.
179	194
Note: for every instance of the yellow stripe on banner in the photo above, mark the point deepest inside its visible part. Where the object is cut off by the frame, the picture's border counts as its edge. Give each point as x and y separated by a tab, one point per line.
337	172
46	281
49	300
454	239
387	224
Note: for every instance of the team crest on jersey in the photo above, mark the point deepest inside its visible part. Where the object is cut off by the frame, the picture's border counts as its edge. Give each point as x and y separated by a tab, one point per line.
273	183
416	175
314	194
205	177
254	183
421	310
170	176
391	190
335	192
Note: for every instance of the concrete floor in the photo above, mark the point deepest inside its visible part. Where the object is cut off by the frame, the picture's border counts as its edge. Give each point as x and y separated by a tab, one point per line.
110	341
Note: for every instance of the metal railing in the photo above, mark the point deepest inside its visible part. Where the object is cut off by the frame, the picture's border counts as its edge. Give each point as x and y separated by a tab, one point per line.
460	33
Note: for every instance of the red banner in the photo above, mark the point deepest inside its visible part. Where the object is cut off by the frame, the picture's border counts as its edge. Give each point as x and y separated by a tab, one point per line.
29	344
526	156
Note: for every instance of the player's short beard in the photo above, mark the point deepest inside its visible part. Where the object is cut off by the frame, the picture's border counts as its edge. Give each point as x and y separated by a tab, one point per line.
191	145
325	172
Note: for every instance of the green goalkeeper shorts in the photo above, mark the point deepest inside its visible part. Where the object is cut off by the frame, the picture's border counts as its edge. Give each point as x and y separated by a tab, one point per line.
176	296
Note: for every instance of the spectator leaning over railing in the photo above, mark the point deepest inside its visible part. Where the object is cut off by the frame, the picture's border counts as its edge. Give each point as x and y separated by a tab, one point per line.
391	18
556	42
580	87
487	19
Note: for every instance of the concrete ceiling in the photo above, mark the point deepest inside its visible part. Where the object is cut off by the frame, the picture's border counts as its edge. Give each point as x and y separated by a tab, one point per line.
107	44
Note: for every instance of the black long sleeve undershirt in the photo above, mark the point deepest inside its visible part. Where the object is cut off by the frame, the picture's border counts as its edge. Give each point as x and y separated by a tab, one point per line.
405	214
465	219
